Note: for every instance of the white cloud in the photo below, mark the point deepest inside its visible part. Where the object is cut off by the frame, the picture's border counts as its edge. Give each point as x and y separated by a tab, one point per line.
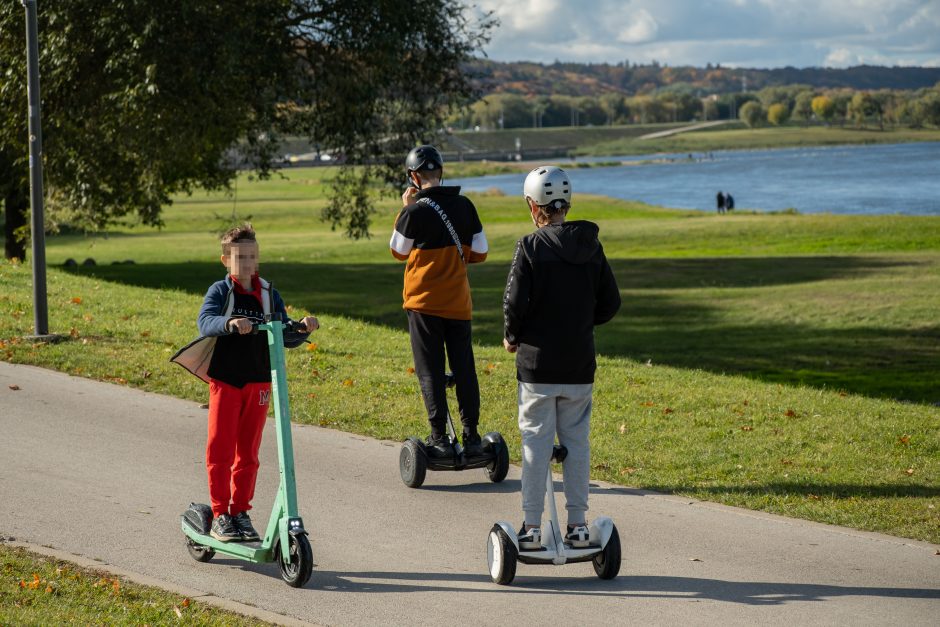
642	28
754	33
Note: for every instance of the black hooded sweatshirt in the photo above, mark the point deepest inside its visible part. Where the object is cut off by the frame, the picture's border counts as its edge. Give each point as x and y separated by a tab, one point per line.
559	287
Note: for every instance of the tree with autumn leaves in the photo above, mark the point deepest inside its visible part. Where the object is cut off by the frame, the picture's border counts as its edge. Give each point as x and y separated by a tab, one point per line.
142	100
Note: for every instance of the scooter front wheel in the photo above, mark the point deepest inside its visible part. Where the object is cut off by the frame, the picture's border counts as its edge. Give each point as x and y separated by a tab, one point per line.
199	552
297	571
607	562
497	470
501	556
412	464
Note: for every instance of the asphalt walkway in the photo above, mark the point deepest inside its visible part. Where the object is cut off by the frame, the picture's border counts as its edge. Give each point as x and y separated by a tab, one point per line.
102	472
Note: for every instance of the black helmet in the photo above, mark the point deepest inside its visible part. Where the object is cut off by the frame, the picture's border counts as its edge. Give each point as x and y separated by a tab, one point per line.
424	158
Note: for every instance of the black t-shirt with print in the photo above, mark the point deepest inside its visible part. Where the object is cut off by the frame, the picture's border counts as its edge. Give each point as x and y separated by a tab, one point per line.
240	359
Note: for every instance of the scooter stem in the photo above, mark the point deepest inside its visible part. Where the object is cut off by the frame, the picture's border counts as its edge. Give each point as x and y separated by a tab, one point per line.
553	512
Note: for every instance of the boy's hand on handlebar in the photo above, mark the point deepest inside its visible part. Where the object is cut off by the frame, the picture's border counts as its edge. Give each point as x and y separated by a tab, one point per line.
310	323
241	326
509	347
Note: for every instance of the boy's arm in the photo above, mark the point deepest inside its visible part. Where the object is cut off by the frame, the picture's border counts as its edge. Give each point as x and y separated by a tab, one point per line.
516	296
211	322
292	339
608	294
401	244
478	245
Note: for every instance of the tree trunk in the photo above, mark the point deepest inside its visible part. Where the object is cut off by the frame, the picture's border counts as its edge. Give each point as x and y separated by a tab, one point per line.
16	206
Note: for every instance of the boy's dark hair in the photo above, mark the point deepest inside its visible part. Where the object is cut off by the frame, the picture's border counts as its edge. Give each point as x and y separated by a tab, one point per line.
236	234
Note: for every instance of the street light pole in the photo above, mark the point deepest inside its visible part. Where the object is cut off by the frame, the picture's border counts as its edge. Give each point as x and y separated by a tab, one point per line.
40	305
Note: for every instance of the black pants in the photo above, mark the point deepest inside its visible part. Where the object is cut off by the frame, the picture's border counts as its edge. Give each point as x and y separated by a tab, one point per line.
430	335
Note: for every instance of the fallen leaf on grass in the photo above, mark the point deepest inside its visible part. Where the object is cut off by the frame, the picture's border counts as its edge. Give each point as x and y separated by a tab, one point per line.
790	413
668	410
178	612
348	383
185	602
812	496
904	439
145	334
14	387
628	471
74	332
76	300
312	346
311	395
49	589
747	428
786	462
648	404
349	355
623	429
410	370
909	472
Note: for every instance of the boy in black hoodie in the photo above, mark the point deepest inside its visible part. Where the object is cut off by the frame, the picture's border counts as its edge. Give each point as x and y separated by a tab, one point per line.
560	286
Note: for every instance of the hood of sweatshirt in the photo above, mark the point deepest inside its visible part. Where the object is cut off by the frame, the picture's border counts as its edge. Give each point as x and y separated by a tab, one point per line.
575	242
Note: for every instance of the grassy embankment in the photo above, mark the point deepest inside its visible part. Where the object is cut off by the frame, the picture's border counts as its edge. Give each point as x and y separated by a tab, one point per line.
786	363
37	590
724	138
624	140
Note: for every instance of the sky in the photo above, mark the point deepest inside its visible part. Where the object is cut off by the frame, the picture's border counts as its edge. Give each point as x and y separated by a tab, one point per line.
734	33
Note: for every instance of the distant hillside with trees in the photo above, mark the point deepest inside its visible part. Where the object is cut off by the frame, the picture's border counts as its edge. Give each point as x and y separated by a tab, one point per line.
534	95
595	79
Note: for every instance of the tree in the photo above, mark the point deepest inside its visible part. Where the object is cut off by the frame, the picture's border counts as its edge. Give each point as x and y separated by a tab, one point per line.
778	114
140	100
823	107
862	107
803	106
751	113
144	99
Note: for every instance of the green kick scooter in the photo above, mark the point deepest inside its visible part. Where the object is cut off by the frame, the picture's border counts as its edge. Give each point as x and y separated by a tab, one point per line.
285	540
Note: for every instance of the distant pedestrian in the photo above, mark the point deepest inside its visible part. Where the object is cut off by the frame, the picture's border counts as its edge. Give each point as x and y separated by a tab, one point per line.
720	201
729	202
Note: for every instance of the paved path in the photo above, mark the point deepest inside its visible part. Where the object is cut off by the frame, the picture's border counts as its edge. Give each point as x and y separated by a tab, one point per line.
104	471
684	129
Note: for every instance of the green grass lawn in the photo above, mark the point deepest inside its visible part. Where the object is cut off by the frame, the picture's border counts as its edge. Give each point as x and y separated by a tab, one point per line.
38	590
786	363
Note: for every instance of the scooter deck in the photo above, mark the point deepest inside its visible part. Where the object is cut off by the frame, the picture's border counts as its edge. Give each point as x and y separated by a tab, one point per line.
547	555
252	551
460	462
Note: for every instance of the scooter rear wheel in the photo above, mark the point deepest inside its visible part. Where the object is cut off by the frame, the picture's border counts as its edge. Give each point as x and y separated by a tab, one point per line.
199	552
498	470
297	571
607	562
412	464
501	556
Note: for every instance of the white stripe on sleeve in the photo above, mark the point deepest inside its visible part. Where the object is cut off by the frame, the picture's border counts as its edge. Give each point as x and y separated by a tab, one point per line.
479	244
401	244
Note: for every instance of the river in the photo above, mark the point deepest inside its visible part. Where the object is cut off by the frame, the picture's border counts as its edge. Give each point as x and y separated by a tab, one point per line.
866	179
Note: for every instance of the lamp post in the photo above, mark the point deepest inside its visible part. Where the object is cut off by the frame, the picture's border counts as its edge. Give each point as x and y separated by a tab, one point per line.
38	234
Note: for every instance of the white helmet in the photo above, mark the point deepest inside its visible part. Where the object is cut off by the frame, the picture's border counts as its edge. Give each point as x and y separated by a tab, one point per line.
547	184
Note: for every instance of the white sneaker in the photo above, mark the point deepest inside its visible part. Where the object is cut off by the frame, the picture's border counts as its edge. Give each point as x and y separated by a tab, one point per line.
578	537
530	540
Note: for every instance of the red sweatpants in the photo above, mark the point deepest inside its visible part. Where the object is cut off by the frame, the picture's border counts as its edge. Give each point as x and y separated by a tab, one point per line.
236	421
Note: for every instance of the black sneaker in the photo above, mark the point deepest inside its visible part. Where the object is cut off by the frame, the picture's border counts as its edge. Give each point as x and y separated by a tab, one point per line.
530	539
224	530
439	446
473	445
243	523
578	536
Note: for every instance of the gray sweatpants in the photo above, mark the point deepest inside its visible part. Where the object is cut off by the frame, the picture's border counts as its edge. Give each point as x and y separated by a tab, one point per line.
544	410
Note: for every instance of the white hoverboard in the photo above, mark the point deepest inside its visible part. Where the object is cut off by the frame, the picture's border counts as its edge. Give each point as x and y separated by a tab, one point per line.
502	545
